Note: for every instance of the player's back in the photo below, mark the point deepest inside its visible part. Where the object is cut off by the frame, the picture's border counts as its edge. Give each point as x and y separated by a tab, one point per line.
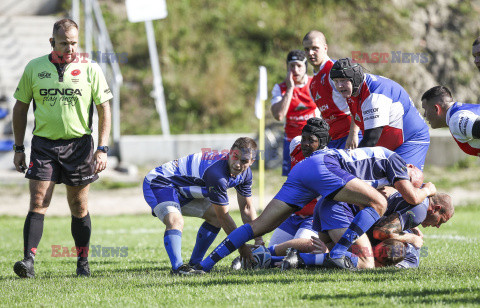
188	170
378	166
403	113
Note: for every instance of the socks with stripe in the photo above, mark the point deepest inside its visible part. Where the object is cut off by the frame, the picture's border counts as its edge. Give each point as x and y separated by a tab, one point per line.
172	240
234	240
363	221
205	237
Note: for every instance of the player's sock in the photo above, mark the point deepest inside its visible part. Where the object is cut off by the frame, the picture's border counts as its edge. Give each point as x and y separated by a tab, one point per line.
272	251
276	259
172	240
81	231
360	224
234	240
318	259
32	234
205	237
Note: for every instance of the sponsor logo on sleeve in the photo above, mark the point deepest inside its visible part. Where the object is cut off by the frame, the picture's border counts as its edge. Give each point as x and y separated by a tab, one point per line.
462	125
44	74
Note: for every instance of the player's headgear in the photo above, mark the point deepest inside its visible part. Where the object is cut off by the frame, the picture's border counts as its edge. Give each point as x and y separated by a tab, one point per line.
345	68
319	128
297	56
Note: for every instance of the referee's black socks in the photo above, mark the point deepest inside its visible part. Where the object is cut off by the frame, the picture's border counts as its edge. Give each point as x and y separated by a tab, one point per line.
32	234
81	231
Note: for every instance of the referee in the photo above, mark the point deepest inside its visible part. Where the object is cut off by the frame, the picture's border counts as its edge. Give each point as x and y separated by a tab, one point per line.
64	88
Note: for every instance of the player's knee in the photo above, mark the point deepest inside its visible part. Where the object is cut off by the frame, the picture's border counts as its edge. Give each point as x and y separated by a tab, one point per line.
39	202
380	205
173	221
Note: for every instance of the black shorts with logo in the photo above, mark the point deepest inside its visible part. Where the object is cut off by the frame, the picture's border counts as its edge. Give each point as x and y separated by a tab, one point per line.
62	161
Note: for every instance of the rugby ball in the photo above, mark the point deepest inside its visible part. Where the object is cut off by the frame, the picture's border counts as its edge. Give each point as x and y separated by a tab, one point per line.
261	256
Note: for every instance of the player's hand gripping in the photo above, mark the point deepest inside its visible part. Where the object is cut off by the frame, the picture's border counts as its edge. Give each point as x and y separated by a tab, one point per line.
246	254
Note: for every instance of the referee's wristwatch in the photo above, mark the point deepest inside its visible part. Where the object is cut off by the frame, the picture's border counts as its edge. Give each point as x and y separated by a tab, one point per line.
19	148
103	148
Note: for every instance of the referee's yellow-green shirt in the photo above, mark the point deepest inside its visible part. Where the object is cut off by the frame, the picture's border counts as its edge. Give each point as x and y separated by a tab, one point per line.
63	107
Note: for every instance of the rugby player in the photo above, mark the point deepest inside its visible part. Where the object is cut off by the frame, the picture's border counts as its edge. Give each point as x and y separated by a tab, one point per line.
384	112
463	120
196	186
332	218
349	176
291	101
332	106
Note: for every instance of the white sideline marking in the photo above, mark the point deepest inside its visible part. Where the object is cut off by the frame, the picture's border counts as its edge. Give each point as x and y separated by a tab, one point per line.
128	231
452	237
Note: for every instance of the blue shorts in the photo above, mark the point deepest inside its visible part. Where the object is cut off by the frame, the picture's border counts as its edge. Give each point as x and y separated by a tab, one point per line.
287	162
320	174
340	142
330	215
413	153
155	195
293	223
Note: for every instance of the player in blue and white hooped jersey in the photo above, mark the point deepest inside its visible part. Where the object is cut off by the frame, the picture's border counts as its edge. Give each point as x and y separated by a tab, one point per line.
342	175
196	185
332	218
463	120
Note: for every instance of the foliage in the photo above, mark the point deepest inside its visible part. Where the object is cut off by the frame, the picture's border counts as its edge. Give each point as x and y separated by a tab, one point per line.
210	52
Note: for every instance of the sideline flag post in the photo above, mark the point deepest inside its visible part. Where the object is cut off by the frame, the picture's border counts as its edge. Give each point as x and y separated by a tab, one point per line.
262	96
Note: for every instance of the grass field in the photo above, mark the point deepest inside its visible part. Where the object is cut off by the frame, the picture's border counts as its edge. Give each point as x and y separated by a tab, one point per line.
449	275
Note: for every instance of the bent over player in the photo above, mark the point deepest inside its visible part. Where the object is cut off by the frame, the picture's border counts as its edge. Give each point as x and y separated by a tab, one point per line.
463	120
196	185
340	175
64	90
384	112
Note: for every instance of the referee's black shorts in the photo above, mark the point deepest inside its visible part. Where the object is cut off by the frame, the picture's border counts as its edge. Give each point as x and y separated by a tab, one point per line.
62	161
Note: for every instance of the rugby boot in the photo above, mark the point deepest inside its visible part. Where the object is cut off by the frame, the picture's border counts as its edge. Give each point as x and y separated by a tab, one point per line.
292	260
24	268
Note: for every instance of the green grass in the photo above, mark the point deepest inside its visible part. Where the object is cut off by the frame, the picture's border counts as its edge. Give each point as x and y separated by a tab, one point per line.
447	276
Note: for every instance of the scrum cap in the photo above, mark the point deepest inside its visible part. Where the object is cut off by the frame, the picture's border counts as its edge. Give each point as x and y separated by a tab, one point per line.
319	128
344	68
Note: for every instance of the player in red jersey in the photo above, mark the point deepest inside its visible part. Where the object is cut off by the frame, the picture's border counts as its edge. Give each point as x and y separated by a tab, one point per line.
332	106
291	101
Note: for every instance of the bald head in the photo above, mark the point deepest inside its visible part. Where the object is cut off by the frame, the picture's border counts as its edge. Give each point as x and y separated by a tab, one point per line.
315	34
445	203
315	46
439	211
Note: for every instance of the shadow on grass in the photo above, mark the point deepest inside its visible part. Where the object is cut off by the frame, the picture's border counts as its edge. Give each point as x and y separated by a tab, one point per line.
446	296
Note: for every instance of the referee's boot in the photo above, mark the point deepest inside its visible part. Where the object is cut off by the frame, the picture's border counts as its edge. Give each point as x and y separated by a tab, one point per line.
83	269
24	268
